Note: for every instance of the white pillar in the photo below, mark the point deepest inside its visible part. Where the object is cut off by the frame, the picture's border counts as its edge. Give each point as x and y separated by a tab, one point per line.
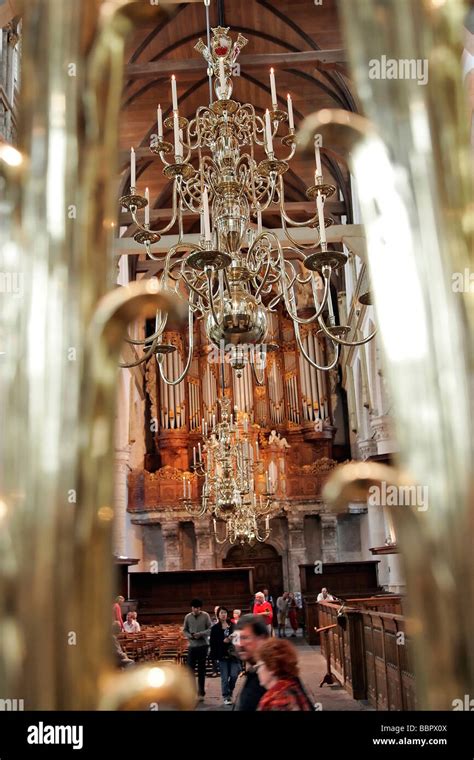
122	468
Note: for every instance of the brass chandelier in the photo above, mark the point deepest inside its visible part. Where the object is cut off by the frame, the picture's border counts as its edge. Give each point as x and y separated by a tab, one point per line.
238	273
228	463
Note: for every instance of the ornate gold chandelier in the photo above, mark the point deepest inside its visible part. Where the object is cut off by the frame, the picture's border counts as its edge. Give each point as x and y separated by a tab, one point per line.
228	463
238	273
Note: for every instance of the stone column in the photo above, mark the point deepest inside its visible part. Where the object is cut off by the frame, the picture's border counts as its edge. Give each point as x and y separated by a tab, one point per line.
384	434
170	533
296	550
367	448
122	468
205	557
377	534
396	583
329	538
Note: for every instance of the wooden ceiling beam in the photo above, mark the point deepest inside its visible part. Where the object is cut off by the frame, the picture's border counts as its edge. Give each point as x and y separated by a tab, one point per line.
308	57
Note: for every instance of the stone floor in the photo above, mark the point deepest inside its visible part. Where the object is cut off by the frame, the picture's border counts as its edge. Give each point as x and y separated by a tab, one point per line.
313	669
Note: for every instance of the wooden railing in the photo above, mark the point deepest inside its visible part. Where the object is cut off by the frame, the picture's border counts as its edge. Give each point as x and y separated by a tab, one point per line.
369	653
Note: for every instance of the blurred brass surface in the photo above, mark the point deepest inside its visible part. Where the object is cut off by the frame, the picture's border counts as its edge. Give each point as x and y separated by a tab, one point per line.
412	162
61	345
161	686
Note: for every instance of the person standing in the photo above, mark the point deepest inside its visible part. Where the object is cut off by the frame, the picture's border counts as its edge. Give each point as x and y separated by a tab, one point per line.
197	628
215	663
282	613
264	609
293	613
250	634
223	651
117	610
269	599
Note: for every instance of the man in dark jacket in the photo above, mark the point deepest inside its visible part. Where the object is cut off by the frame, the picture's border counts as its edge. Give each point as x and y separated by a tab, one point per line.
197	628
251	632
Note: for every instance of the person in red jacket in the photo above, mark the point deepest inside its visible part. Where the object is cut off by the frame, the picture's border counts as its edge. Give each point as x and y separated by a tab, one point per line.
117	610
264	609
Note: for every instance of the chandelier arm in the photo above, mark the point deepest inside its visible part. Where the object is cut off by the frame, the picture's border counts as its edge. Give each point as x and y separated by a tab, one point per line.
349	343
255	374
283	213
292	150
190	355
270	188
189	144
308	358
183	200
257	119
218	540
199	293
318	312
264	280
208	272
174	249
274	303
169	225
144	358
150	254
151	338
300	246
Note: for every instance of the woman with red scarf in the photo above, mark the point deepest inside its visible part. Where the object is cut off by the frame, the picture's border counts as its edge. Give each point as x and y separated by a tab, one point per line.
278	673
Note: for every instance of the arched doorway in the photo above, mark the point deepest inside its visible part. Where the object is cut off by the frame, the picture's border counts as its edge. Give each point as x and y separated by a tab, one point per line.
267	564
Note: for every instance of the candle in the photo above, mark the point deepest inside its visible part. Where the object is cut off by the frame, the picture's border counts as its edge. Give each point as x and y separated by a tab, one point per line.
268	132
221	75
246	425
319	171
291	120
184	487
194	456
207	225
267	482
322	228
273	89
177	145
133	177
189	489
159	117
199	451
174	93
147	207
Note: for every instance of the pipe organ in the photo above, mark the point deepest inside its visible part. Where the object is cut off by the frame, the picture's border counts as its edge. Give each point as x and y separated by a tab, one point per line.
293	398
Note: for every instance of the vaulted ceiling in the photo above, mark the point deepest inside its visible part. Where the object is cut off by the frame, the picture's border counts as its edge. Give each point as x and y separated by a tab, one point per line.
301	40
